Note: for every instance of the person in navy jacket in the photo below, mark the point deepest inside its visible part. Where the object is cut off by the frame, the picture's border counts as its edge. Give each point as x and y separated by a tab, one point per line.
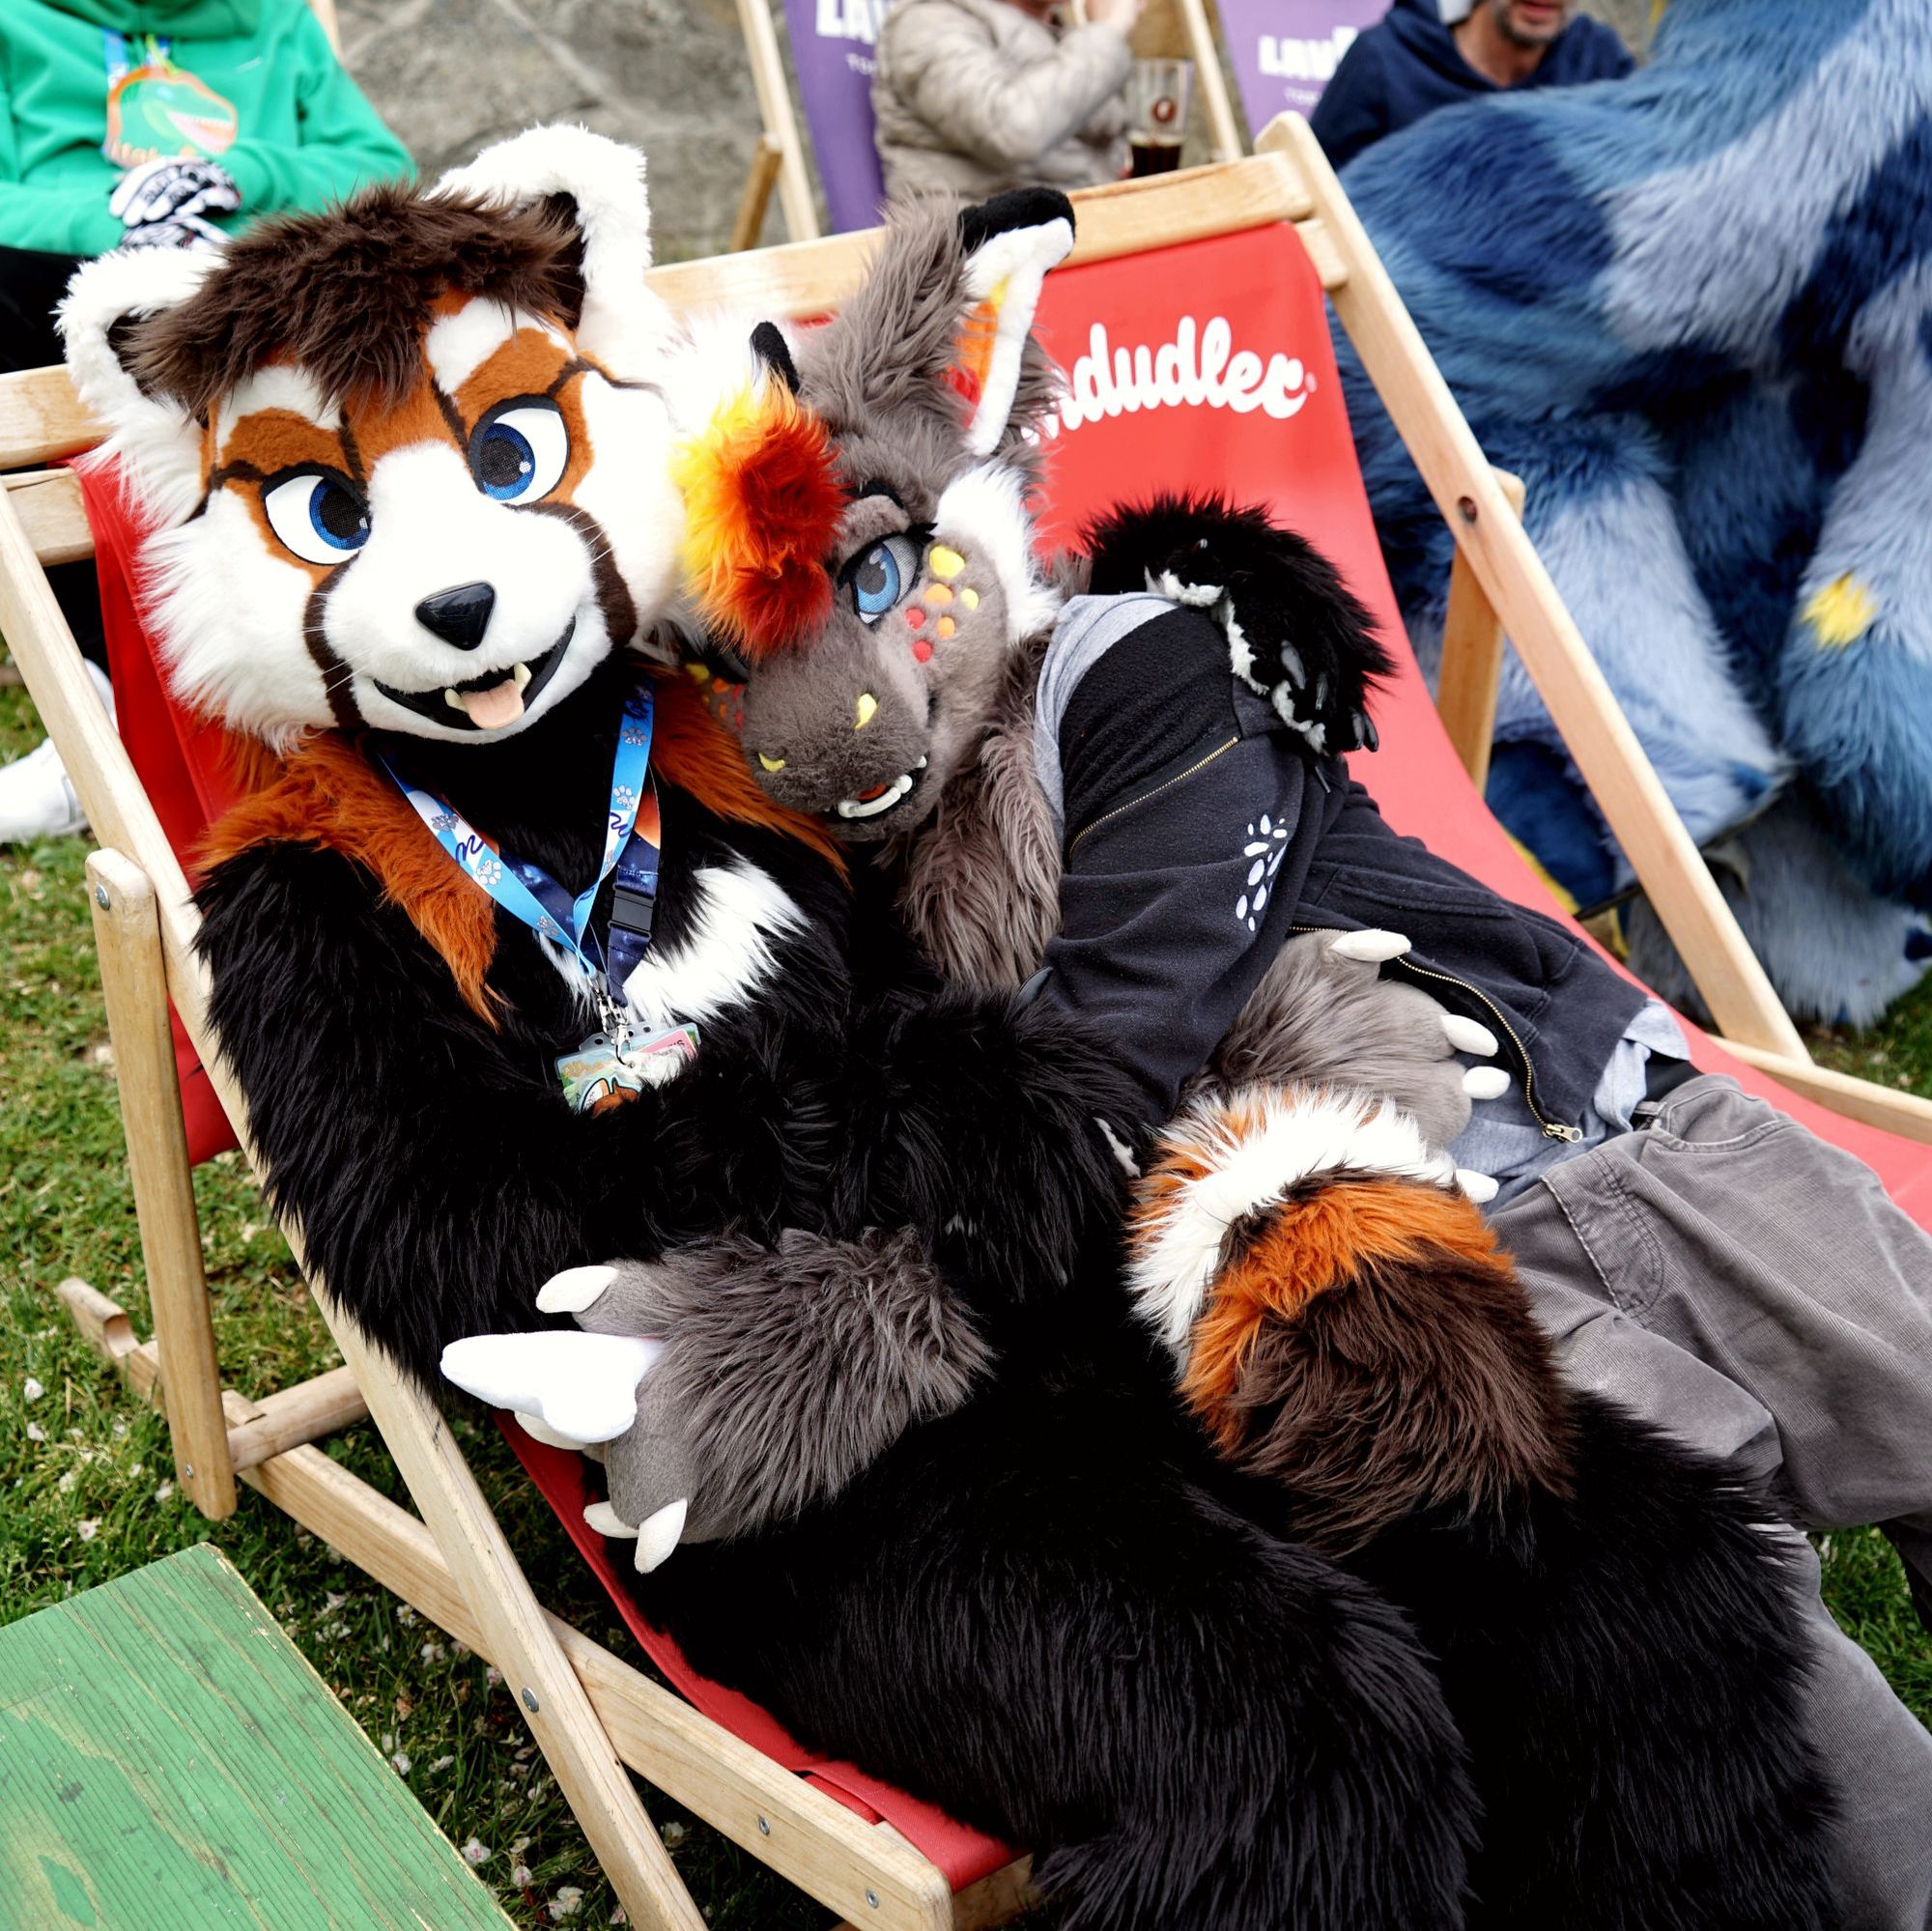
1415	61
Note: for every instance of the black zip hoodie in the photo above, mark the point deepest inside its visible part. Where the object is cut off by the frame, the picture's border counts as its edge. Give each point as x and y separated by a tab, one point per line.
1201	834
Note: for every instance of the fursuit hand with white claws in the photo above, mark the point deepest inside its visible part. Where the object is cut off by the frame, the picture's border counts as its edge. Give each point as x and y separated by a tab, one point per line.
1324	1015
777	1375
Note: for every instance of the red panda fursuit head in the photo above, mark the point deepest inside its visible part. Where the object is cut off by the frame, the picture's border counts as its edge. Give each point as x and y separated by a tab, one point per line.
1615	1623
520	970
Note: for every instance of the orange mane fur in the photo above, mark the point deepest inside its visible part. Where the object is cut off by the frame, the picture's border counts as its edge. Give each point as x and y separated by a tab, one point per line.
327	794
763	506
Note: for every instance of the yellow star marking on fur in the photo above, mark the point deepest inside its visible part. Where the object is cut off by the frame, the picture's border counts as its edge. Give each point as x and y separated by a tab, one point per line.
771	763
945	562
863	710
1841	612
970	597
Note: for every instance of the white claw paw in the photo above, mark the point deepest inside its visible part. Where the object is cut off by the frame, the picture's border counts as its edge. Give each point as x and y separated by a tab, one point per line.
583	1386
574	1290
660	1535
1370	948
539	1429
1485	1082
1468	1036
606	1521
1480	1187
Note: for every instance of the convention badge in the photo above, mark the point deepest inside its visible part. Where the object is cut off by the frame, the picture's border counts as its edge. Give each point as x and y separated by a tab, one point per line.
664	1057
604	1071
596	1076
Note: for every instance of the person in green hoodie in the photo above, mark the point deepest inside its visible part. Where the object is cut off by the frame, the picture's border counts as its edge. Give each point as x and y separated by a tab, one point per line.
151	123
162	122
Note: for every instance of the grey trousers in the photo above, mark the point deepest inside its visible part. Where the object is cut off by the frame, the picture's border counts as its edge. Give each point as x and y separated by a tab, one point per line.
1726	1274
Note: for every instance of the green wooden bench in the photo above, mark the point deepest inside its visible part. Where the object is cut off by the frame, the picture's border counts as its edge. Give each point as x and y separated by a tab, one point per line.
170	1762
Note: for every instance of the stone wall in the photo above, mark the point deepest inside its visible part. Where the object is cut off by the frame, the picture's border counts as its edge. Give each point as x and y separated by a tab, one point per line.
670	75
449	75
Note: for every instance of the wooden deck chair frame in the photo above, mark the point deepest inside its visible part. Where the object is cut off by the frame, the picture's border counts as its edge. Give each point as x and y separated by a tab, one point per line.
593	1714
1211	81
779	159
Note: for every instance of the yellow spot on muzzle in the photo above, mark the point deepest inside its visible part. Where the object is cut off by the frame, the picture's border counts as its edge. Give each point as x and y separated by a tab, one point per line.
1841	612
944	563
865	709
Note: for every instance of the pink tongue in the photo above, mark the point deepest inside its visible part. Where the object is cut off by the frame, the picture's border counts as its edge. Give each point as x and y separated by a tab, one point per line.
489	710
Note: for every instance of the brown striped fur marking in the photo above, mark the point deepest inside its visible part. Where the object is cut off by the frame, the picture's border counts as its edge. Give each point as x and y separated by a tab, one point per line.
1370	1348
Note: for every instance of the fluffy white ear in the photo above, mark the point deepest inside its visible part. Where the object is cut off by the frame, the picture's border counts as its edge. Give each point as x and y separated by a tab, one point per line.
623	325
1011	243
156	441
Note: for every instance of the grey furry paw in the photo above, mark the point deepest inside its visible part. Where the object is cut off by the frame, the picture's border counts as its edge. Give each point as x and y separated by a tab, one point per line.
785	1372
1324	1015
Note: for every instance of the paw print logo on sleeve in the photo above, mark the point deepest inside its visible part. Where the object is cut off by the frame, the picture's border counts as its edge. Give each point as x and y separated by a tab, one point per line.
1265	848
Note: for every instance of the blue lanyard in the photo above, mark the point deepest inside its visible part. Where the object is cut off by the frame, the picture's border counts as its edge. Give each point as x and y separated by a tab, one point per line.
632	839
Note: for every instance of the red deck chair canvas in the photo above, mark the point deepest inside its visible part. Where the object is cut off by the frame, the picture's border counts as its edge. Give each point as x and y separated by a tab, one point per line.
1192	324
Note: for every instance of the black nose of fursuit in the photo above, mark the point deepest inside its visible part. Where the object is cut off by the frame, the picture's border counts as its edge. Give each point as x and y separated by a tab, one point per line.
459	616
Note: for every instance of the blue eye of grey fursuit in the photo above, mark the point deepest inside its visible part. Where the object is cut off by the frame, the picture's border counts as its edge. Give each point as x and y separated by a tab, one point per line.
882	576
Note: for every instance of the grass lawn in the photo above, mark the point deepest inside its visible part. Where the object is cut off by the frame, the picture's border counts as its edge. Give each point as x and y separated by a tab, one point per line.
89	1477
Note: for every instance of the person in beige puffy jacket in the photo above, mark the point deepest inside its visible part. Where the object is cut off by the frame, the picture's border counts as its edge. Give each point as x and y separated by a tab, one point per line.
970	97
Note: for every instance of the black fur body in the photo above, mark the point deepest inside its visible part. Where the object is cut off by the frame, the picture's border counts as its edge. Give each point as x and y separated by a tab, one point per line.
1037	1612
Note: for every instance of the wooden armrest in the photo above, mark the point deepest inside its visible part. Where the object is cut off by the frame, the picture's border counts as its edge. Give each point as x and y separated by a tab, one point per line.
1861	1099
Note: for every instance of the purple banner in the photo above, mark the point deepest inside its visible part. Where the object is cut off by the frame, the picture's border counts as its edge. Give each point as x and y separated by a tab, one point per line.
1284	52
832	42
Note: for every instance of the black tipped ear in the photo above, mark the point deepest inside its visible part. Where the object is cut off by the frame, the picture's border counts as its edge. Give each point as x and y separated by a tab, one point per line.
1017	208
771	348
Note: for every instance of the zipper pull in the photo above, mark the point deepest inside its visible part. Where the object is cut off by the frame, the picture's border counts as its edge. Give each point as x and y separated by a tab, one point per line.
1569	1135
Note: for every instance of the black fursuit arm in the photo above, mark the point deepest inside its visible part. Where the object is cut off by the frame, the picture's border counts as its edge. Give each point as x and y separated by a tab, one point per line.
436	1172
976	1122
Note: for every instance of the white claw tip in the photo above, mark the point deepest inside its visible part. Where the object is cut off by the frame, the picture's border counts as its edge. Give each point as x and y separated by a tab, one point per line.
606	1521
1485	1082
1479	1187
1468	1036
660	1535
574	1290
1372	947
539	1429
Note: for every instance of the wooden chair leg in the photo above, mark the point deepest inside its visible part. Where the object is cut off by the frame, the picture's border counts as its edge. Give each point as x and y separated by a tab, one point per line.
1472	657
127	934
1211	83
518	1635
773	92
749	225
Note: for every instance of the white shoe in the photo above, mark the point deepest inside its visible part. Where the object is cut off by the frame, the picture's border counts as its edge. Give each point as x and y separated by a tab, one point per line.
37	797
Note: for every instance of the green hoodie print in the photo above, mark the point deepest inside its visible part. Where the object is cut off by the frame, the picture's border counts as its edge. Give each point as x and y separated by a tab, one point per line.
89	88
